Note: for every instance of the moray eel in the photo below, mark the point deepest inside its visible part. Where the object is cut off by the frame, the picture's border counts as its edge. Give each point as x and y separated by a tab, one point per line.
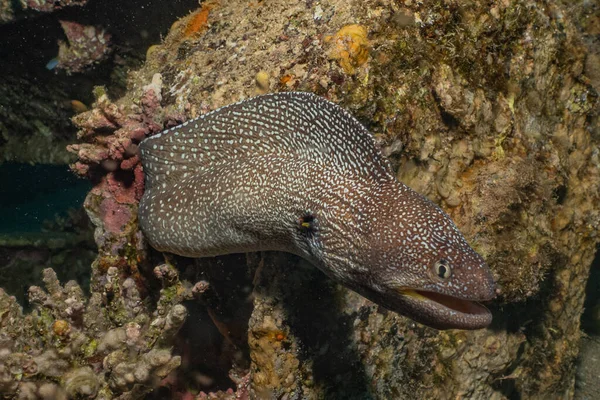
294	172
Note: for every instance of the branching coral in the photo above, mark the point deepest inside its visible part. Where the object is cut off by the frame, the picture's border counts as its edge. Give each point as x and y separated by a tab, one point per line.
101	348
111	133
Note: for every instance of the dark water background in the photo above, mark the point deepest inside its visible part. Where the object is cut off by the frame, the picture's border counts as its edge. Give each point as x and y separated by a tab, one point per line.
31	194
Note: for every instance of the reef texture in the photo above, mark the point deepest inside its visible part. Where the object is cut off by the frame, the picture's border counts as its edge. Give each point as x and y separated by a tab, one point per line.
117	343
86	46
485	108
11	10
69	347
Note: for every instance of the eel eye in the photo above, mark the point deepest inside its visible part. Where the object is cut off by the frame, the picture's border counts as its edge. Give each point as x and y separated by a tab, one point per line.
442	269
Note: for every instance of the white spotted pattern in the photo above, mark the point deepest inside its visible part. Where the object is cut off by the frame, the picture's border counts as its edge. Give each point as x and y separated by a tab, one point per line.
239	178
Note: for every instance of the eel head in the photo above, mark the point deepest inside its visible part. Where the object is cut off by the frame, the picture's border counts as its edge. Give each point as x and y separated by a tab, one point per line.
410	258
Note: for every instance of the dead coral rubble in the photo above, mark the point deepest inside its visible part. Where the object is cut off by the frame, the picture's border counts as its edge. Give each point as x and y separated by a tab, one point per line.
70	347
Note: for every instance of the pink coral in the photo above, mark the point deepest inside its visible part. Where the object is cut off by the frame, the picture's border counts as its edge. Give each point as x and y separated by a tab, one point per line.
108	155
112	133
114	215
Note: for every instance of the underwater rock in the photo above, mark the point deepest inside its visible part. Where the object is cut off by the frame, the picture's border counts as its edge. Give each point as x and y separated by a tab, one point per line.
85	46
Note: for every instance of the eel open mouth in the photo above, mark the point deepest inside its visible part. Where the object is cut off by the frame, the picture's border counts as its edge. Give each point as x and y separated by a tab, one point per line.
446	311
454	303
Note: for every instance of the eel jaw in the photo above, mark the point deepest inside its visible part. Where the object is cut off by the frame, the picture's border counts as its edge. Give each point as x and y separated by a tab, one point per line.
442	311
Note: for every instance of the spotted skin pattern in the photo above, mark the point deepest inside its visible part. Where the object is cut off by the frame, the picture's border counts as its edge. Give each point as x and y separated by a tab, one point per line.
247	177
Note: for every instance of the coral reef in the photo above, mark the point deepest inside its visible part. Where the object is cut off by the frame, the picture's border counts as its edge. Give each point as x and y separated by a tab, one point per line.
66	341
69	347
85	46
112	134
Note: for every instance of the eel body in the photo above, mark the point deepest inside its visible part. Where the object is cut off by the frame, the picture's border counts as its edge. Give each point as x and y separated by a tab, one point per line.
294	172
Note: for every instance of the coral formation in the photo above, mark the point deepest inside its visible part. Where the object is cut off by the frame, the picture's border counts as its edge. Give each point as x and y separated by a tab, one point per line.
70	347
111	151
85	46
66	341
